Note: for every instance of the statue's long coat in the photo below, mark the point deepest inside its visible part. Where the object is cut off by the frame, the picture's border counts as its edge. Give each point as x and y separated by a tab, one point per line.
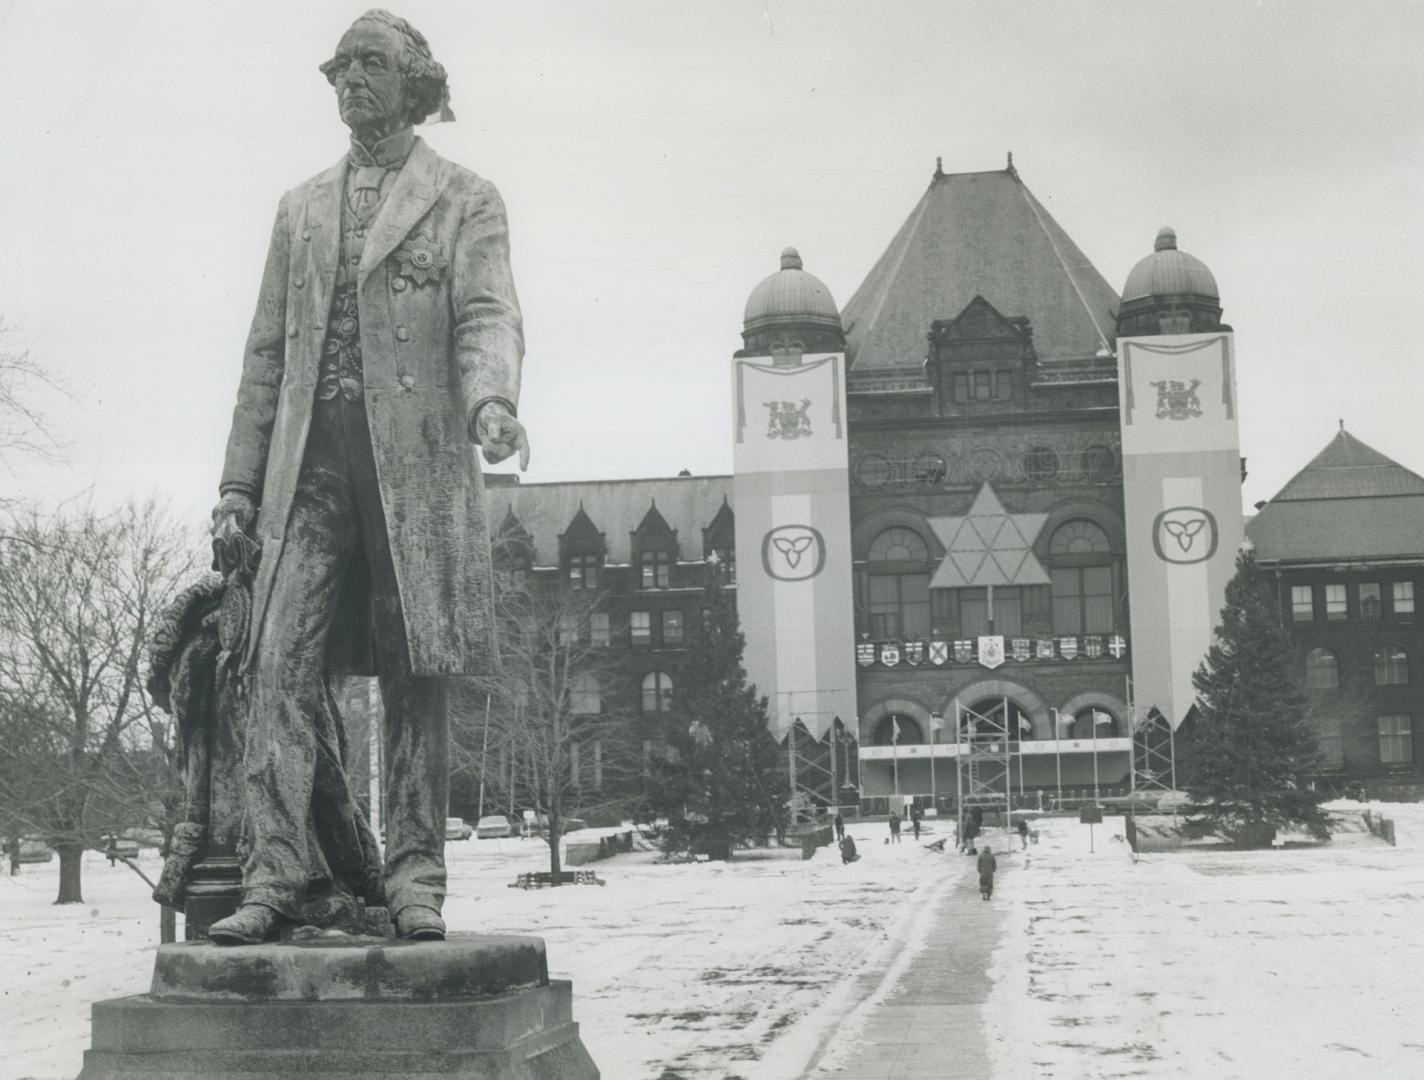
431	353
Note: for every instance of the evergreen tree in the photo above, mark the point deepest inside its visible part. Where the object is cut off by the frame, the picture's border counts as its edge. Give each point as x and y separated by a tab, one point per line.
1250	749
723	780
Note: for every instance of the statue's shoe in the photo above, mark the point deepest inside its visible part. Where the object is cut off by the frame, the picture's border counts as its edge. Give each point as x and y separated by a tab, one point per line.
420	924
251	924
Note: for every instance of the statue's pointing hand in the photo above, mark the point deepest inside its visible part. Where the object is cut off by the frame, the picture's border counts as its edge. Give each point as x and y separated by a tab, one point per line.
500	434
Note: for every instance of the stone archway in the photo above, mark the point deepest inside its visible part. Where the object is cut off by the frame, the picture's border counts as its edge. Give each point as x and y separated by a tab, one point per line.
877	718
1029	702
1095	699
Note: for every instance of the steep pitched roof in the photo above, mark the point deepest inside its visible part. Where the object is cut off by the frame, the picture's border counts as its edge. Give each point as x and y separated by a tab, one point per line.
1350	502
1347	468
978	234
688	504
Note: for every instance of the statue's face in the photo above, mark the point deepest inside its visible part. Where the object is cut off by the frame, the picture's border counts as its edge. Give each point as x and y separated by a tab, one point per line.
370	87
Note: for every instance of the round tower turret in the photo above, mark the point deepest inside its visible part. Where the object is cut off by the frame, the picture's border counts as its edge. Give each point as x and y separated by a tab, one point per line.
790	313
1169	292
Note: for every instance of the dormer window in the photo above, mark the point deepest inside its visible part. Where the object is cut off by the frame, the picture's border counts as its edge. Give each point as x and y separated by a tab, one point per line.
655	568
583	571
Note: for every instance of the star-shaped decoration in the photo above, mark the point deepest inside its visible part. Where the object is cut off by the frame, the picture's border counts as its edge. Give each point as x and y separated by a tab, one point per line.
988	546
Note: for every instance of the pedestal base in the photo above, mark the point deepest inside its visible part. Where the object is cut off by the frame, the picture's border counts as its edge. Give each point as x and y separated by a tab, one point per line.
471	1008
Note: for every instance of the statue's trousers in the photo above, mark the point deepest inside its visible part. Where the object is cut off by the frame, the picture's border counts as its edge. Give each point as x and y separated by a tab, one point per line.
337	518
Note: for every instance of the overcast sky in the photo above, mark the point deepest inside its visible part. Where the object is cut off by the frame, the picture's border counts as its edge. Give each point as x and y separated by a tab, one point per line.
656	157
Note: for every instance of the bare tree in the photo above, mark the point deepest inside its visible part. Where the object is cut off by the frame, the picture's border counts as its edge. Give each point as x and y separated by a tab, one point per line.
549	737
78	594
24	382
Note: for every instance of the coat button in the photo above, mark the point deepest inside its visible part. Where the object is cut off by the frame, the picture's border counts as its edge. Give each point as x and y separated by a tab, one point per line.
398	284
306	234
299	281
407	382
402	334
291	330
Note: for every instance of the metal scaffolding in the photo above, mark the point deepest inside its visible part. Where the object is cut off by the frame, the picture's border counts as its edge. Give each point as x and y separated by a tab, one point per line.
983	756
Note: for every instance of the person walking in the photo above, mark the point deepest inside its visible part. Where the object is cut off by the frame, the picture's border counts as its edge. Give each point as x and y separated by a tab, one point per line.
915	820
839	823
1022	827
987	864
848	853
894	827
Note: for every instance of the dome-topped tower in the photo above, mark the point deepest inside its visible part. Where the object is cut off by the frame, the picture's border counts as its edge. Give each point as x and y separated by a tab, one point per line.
790	313
1169	292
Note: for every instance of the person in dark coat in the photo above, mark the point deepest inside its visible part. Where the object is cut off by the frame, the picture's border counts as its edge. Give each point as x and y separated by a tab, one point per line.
840	827
966	843
894	827
915	821
987	864
848	853
1023	832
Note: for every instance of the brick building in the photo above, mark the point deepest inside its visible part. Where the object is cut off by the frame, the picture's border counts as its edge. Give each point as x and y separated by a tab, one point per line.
986	518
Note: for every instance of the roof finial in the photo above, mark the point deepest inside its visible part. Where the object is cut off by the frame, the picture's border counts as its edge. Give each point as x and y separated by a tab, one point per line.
939	167
790	259
1342	423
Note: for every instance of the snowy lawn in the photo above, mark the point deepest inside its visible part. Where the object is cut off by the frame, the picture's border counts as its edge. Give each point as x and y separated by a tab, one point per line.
1301	962
680	972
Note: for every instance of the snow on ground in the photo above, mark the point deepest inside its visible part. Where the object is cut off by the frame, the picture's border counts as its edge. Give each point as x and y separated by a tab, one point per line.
1302	962
693	971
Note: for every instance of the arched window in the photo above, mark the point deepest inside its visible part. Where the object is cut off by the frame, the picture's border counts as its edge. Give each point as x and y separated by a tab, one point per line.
909	730
657	692
1391	666
992	717
1094	722
1082	576
1322	670
899	585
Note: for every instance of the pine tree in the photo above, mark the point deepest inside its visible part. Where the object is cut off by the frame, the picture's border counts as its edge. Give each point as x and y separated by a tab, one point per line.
1250	749
723	780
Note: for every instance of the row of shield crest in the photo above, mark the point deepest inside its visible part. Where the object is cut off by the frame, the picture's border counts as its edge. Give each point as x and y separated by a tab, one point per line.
990	650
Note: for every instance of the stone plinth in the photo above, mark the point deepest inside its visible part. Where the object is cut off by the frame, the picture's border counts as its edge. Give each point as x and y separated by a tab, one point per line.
470	1008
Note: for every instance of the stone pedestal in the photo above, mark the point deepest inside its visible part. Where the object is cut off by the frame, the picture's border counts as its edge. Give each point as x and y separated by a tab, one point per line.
470	1008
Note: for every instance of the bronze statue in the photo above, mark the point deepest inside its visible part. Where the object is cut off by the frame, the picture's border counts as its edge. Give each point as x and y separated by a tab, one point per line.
387	338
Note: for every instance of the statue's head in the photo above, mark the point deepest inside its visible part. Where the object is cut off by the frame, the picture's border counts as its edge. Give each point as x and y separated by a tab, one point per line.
384	75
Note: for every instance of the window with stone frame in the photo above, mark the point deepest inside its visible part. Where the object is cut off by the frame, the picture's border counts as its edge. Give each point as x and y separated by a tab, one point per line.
1322	669
640	627
1391	666
1302	603
898	585
672	627
598	628
655	569
585	697
1081	577
583	571
1403	596
566	630
656	692
1369	598
1331	739
1396	741
973	611
1336	605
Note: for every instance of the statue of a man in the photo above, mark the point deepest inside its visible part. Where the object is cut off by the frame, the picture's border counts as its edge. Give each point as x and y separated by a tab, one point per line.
387	339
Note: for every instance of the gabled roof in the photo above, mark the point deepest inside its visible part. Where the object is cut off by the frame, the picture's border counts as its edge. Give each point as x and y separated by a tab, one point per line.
1351	502
615	508
978	234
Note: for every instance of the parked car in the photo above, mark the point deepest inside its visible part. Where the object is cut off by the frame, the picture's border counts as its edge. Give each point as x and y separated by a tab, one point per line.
457	829
492	826
534	823
32	851
122	846
1146	802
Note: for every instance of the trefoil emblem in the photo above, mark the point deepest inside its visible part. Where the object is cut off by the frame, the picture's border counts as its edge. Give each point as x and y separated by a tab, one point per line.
1176	400
786	420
